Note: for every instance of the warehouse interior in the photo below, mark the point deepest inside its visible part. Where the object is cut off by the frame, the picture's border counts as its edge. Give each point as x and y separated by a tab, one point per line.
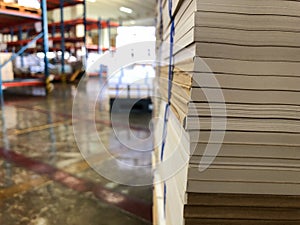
44	178
163	112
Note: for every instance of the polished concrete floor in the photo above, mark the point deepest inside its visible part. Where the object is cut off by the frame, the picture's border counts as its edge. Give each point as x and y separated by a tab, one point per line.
44	178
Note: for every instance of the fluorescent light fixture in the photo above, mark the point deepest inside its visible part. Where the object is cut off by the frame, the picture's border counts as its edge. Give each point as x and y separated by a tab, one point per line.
91	1
125	10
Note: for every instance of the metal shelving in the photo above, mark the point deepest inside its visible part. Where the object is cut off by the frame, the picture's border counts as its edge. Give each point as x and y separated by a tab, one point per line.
53	28
23	22
56	4
14	15
20	19
23	83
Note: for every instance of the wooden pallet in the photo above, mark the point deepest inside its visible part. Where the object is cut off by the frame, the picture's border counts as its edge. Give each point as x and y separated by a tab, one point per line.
18	8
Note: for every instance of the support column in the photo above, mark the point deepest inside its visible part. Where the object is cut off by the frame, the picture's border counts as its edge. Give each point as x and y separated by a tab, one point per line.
109	34
11	34
62	34
99	35
45	43
1	84
85	33
20	38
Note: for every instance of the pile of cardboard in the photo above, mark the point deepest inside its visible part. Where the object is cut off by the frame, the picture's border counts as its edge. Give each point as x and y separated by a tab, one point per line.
236	96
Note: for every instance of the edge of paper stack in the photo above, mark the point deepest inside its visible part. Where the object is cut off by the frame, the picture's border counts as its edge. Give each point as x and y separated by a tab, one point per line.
252	49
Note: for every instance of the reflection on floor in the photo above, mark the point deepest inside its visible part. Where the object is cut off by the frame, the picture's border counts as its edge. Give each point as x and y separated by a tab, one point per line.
44	179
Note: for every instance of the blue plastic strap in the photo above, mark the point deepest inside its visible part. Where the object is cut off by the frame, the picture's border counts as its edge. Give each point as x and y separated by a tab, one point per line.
166	118
161	19
171	62
167	109
170	9
165	197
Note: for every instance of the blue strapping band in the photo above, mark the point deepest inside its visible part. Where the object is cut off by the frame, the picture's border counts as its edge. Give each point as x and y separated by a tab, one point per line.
161	19
170	78
171	61
166	118
170	9
165	197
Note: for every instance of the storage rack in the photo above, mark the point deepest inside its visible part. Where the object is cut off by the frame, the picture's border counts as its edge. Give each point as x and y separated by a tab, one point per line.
55	27
22	21
15	15
22	18
63	27
29	27
53	4
91	24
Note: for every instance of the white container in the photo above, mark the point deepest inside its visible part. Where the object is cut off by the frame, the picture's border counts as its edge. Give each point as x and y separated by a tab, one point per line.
7	71
30	3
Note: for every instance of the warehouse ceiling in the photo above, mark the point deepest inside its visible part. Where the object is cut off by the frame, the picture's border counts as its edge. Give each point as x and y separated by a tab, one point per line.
132	12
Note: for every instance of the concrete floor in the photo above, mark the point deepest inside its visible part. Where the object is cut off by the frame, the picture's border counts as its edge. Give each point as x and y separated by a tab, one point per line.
44	179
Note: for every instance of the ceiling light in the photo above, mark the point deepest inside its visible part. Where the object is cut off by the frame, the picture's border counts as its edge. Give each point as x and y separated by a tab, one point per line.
91	1
126	10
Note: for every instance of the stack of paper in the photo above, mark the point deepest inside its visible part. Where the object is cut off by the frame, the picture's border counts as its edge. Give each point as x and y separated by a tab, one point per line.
237	76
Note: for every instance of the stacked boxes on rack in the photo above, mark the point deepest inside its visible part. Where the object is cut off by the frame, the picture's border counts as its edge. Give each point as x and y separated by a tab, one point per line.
26	6
7	71
252	49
